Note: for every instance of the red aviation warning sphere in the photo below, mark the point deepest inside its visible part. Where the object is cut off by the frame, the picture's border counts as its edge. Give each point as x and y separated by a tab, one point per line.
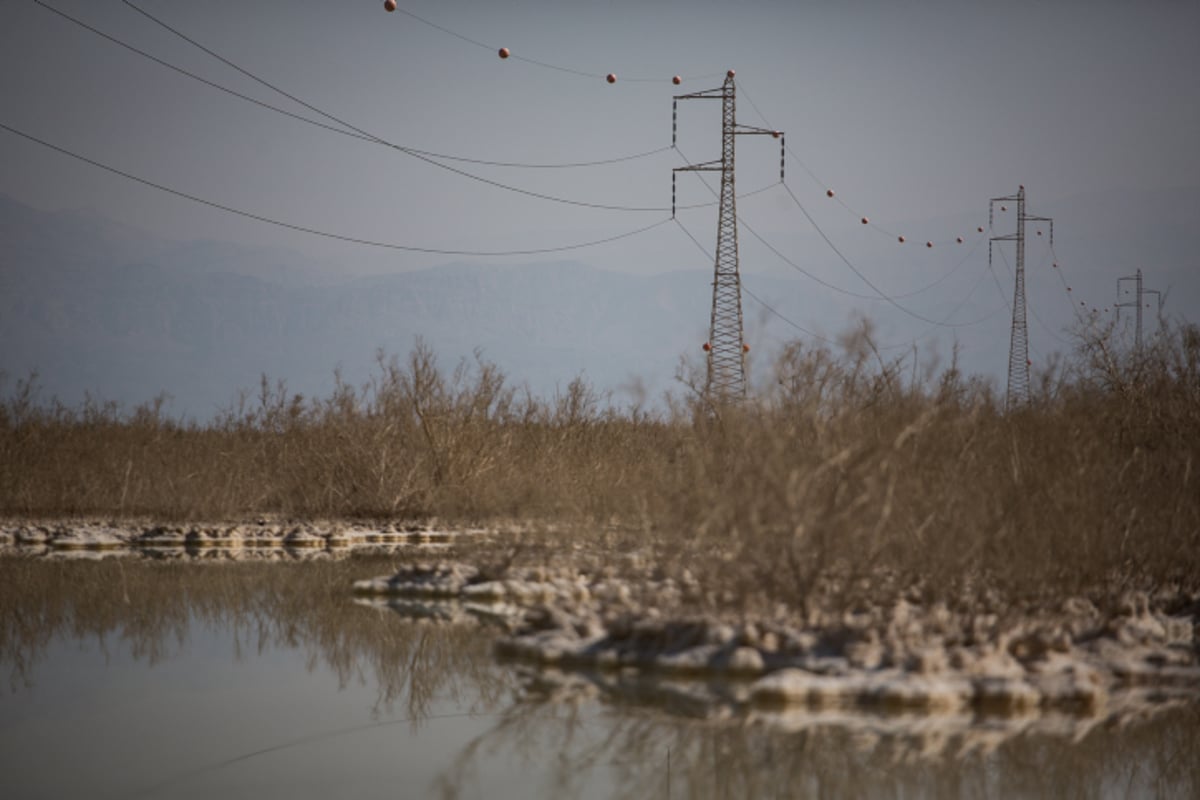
900	239
745	348
829	192
1055	265
389	5
677	80
865	221
1029	362
1004	208
504	53
959	240
1039	233
929	244
707	347
611	77
729	74
979	229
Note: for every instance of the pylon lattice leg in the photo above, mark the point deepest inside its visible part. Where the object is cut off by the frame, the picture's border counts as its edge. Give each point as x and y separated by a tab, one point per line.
726	379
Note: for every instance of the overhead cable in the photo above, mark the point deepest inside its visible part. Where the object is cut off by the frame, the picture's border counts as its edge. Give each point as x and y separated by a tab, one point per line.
547	65
322	233
355	132
755	297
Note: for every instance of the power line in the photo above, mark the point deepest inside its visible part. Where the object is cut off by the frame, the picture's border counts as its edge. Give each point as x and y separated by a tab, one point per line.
317	232
426	155
373	138
885	297
1033	309
355	132
545	64
780	255
829	192
906	343
755	297
879	294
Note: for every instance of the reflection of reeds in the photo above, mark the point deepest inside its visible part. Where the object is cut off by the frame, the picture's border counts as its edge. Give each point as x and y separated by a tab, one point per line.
150	607
629	752
848	474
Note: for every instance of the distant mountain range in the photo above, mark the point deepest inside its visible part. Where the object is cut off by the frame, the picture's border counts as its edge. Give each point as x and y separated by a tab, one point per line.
95	306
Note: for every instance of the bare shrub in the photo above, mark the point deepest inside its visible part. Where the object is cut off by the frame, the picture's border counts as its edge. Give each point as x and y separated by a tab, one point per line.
845	474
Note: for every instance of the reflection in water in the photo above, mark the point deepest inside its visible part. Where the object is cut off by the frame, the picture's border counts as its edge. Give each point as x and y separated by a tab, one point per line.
642	753
149	609
533	733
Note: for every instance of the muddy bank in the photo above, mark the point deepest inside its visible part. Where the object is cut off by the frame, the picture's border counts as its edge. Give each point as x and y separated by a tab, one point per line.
1073	658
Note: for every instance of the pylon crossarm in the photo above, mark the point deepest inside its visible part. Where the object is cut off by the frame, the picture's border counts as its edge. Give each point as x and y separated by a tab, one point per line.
706	166
751	130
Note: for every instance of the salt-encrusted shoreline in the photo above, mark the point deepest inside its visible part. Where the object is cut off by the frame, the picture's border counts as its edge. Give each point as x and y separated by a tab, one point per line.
98	536
901	657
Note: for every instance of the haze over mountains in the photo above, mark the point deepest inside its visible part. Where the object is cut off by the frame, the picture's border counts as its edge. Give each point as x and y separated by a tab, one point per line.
95	306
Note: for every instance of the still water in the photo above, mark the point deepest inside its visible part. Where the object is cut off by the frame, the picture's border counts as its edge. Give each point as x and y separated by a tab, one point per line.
133	678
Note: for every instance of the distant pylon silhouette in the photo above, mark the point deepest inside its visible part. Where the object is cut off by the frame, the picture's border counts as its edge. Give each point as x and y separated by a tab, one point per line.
726	348
1018	345
1138	303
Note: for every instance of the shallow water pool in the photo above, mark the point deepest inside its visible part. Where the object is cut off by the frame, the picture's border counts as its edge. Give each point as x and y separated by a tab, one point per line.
132	678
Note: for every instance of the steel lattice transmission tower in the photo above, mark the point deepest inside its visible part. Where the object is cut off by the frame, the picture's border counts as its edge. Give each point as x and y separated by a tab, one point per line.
726	348
1018	346
1138	304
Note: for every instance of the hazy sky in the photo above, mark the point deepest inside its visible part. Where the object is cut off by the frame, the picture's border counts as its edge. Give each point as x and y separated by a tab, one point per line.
915	113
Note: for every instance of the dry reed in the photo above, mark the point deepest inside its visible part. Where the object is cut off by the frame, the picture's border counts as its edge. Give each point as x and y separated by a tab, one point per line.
844	473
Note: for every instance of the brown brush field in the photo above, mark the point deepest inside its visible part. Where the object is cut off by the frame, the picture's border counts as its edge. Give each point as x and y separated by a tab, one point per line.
846	474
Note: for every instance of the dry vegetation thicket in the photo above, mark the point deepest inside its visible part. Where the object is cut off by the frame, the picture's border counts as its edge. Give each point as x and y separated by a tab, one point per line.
846	469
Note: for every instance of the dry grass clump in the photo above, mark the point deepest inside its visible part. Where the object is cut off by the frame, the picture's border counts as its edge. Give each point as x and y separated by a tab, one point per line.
844	475
853	478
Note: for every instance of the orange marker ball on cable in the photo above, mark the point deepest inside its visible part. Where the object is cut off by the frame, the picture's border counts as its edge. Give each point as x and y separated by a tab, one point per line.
611	77
389	5
929	244
979	229
959	240
900	239
866	221
829	192
504	53
745	348
677	80
707	347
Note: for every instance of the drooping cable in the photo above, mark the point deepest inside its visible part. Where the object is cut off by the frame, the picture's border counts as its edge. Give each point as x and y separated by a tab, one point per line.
837	198
424	155
545	64
753	296
879	294
443	156
322	233
883	296
351	129
930	330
